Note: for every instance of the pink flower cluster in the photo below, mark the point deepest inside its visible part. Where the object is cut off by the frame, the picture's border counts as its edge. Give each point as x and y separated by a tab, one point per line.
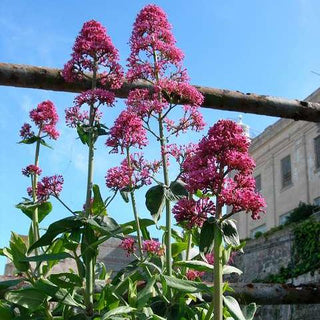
222	151
144	102
152	35
45	116
26	132
128	244
191	213
161	66
127	132
31	170
152	247
139	174
194	274
179	153
95	97
93	50
48	186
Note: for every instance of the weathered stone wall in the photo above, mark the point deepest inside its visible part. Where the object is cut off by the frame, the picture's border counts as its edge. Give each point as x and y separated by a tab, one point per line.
264	256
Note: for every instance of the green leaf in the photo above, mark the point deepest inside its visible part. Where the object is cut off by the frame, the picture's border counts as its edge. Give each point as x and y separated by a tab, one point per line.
178	247
28	207
131	226
117	311
31	140
61	294
9	283
233	308
206	237
66	280
186	285
18	251
60	226
83	134
49	257
6	312
230	233
155	201
231	269
178	189
125	195
45	144
29	298
196	265
98	207
249	311
146	293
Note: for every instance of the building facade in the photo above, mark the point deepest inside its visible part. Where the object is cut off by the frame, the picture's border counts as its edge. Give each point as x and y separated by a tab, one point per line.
287	156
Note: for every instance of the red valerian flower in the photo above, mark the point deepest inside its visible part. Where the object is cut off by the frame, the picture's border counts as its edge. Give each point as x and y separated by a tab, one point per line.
153	247
155	58
93	51
25	131
95	97
45	116
128	244
31	170
194	274
47	187
139	174
222	151
127	132
191	213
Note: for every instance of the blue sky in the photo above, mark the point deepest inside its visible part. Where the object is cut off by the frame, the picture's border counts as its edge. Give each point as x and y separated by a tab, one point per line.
266	47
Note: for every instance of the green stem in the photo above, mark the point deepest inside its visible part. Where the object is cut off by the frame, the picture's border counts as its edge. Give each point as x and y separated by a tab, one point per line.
217	276
189	245
216	304
34	181
134	207
88	297
168	209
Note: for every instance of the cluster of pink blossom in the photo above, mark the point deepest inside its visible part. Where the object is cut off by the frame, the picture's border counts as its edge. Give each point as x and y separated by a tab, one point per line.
94	96
128	244
210	258
239	193
45	116
144	102
152	247
181	90
137	175
191	213
127	132
48	186
151	36
162	67
31	170
194	274
93	50
222	151
26	132
180	152
192	119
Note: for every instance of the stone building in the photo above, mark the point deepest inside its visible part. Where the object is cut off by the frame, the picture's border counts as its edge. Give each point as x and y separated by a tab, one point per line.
287	172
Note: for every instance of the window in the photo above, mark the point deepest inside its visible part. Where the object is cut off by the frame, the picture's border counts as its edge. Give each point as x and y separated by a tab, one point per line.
283	218
286	171
258	182
317	151
259	229
316	201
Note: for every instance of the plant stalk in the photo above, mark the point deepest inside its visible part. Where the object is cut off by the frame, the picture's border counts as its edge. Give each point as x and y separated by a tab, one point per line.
34	180
90	261
168	207
134	207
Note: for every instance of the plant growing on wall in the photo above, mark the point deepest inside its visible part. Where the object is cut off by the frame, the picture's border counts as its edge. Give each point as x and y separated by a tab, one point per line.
164	278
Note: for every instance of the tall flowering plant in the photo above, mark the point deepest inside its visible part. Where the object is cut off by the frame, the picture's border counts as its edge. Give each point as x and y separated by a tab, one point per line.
164	276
